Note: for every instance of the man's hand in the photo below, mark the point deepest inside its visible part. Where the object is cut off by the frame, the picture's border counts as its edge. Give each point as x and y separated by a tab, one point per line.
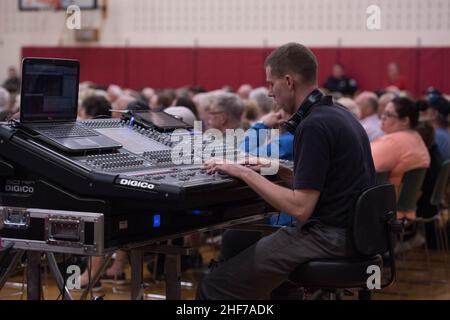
243	164
231	168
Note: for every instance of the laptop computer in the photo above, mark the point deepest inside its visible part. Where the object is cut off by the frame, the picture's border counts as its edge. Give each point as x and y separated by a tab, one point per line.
49	106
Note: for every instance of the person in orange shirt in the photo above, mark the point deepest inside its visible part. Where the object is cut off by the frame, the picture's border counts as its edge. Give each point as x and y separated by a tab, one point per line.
402	148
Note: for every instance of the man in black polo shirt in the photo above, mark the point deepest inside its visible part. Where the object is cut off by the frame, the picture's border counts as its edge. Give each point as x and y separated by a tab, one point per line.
332	166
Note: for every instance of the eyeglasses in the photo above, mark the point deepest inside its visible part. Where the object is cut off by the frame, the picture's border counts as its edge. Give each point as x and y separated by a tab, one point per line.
388	114
214	113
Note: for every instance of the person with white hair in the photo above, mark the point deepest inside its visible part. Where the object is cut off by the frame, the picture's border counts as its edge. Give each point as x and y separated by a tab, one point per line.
261	97
351	105
225	112
202	103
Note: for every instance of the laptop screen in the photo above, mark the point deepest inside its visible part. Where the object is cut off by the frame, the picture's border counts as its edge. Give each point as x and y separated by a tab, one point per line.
49	90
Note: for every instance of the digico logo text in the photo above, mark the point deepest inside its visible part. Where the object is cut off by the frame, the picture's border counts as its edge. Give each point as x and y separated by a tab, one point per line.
18	189
137	184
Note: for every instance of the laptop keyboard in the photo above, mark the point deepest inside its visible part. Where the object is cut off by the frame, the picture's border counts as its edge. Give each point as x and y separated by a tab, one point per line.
74	131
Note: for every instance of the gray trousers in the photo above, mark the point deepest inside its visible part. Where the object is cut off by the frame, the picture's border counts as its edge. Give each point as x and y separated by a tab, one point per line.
266	265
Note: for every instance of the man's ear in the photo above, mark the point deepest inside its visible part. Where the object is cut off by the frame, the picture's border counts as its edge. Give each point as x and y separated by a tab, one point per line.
289	81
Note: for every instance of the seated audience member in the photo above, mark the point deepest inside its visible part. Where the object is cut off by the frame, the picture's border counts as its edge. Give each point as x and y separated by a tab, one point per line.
383	100
94	107
160	101
202	103
225	112
401	149
12	83
183	113
113	93
244	91
84	93
120	106
5	110
436	111
394	81
187	103
251	114
285	140
147	94
351	105
368	104
339	82
261	96
424	208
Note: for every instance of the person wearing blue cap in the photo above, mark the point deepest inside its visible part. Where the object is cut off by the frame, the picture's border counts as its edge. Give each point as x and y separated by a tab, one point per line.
436	110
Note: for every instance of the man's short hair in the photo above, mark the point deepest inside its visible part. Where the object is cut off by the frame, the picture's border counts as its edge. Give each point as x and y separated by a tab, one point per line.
293	58
229	103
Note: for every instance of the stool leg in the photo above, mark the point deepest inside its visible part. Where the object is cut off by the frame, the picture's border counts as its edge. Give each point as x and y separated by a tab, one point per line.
364	294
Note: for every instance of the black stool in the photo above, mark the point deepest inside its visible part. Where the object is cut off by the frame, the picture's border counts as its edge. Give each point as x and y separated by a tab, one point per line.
373	224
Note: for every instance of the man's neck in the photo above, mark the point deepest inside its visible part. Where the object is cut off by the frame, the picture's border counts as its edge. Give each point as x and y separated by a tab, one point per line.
301	95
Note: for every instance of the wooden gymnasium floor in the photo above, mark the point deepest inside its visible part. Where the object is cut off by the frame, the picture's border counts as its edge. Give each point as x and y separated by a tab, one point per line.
414	281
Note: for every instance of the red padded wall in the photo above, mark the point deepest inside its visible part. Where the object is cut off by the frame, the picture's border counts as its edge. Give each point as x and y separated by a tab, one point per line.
99	65
213	68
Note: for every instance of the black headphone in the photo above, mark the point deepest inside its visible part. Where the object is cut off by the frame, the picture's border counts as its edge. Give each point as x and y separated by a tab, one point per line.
305	108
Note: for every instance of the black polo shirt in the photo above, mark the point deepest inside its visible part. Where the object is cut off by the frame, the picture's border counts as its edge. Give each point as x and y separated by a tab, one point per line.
332	155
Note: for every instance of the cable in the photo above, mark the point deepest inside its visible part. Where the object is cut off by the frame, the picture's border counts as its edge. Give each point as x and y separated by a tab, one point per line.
64	276
89	275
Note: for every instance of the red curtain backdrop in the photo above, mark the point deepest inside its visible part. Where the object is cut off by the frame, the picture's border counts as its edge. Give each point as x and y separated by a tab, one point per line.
213	68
